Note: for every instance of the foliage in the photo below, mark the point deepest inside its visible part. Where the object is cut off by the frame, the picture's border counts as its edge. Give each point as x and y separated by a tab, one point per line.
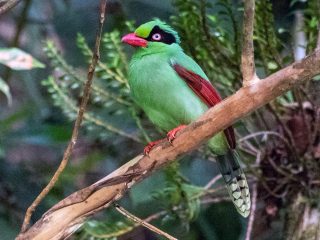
312	16
16	59
179	197
216	47
4	88
266	39
106	230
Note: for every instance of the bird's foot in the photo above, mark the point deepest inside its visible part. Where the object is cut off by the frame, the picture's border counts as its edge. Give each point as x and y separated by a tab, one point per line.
149	147
172	134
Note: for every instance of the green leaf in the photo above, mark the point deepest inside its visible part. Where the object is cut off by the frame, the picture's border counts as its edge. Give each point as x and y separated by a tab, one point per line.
295	1
272	65
283	30
6	90
17	59
212	18
316	78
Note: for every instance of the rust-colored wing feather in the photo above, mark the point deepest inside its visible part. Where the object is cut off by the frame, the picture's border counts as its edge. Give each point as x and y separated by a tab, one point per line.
207	93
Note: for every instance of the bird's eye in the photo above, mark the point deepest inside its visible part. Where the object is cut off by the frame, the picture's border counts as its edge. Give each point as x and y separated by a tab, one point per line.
156	37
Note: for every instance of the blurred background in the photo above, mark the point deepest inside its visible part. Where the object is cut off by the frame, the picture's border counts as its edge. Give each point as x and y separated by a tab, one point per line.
45	47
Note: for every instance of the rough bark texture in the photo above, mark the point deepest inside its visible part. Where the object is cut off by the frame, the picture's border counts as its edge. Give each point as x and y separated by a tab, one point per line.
248	68
66	216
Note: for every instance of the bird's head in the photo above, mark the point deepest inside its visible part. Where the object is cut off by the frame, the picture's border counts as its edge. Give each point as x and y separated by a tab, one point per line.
152	35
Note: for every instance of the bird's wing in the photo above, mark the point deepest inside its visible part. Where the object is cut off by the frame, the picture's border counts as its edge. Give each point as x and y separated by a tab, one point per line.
206	92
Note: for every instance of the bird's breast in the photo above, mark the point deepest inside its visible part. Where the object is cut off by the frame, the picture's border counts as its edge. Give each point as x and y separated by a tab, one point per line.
162	94
151	79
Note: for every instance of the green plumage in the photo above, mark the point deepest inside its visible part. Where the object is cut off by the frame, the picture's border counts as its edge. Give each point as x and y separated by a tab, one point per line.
159	91
168	101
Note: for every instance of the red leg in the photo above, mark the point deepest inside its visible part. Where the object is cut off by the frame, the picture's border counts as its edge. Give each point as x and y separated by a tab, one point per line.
149	147
172	134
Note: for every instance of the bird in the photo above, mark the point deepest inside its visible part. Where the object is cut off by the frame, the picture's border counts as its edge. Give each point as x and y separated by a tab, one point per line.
173	90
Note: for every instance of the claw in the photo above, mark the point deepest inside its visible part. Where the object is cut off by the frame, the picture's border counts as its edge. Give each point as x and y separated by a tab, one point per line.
149	147
172	134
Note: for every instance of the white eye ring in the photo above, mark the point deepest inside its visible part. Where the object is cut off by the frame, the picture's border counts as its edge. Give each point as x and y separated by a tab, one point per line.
156	37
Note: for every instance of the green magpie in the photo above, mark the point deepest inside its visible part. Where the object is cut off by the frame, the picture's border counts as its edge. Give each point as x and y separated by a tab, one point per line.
173	91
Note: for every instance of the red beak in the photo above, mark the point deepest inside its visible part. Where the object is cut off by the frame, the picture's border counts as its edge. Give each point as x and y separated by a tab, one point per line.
133	40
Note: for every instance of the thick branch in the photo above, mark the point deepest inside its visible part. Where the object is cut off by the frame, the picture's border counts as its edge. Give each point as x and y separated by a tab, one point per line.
247	57
69	214
8	5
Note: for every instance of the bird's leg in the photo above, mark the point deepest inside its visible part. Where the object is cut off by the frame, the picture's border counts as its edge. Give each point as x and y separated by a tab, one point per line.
150	145
171	135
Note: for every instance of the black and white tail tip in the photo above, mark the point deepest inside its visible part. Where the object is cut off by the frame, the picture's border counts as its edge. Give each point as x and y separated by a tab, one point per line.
239	192
236	182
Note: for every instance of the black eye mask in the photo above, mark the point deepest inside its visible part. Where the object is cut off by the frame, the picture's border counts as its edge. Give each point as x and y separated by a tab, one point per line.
166	37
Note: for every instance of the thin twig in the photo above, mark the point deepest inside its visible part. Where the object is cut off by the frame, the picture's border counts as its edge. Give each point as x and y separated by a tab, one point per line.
316	126
252	148
143	223
247	57
267	133
247	150
318	40
113	74
216	200
139	124
280	170
264	133
8	5
278	119
75	132
254	202
128	229
122	55
212	181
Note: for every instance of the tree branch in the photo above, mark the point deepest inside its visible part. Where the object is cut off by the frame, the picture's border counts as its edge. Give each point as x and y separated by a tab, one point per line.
254	202
7	5
248	68
69	214
212	181
318	39
77	124
143	223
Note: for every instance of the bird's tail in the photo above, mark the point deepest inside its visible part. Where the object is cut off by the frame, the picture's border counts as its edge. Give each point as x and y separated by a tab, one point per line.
235	181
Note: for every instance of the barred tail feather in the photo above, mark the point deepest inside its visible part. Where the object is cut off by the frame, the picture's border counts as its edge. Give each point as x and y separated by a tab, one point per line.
236	182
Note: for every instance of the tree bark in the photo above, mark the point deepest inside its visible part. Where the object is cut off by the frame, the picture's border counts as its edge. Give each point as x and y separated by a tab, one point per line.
248	67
